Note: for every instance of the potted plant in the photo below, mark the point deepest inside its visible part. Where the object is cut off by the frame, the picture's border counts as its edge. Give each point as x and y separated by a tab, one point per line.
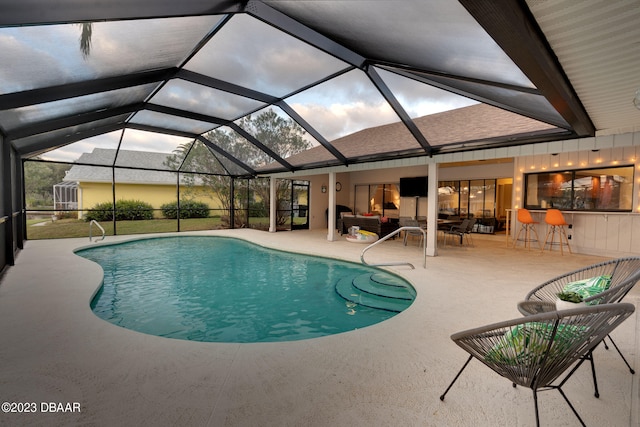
568	299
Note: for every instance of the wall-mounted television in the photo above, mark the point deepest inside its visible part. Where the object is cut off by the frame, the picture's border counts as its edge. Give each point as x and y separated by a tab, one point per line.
413	187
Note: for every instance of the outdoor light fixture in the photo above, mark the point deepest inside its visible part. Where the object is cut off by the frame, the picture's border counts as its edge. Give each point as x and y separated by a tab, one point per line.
636	99
323	188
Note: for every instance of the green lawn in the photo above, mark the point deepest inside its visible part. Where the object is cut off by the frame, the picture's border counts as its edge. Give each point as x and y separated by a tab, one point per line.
68	228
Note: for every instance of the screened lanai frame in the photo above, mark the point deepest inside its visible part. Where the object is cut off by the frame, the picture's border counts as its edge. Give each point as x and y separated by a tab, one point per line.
247	197
60	91
174	63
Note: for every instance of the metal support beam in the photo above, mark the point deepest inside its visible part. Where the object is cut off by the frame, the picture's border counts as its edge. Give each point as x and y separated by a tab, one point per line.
311	131
273	204
261	146
72	90
184	113
515	30
39	146
302	32
222	85
463	86
432	211
397	107
331	219
71	121
222	152
7	203
31	12
232	203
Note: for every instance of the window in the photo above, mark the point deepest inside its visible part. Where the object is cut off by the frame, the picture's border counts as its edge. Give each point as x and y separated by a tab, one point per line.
380	199
475	198
605	189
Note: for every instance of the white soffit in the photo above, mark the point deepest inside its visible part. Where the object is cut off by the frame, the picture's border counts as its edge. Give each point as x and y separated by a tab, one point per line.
598	46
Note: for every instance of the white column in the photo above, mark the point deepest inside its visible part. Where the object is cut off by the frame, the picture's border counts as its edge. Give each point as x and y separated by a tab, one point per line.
273	205
432	210
331	232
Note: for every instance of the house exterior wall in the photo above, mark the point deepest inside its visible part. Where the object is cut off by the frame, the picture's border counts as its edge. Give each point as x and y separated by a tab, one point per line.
408	204
596	233
319	201
392	176
92	193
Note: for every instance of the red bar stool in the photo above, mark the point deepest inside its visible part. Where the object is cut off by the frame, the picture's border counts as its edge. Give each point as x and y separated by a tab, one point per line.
528	225
555	221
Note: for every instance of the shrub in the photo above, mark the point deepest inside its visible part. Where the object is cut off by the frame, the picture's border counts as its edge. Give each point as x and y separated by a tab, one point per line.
126	210
188	209
258	210
67	215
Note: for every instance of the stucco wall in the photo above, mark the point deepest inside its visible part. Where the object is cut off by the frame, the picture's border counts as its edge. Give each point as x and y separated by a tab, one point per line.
90	194
319	201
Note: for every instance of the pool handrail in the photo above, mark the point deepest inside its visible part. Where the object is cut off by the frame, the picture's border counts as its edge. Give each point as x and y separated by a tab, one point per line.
93	221
390	235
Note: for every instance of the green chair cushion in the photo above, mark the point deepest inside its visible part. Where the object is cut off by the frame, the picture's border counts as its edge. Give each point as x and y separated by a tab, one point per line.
527	343
589	287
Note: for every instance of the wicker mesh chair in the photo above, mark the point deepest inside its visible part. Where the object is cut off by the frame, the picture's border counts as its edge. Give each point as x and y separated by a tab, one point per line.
535	351
624	273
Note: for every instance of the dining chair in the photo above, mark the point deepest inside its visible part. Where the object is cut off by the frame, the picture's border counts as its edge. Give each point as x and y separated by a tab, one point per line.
413	233
461	230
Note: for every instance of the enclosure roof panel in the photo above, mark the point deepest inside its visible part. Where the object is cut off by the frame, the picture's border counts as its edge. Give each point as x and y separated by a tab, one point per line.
405	74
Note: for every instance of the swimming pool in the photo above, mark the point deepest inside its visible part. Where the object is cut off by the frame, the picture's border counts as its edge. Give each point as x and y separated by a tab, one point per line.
220	289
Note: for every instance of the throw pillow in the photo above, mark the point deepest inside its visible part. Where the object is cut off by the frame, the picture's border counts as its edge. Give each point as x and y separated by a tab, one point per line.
589	287
527	343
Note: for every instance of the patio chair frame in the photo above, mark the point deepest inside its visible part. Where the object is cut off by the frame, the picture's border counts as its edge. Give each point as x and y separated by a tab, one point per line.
625	273
569	337
463	230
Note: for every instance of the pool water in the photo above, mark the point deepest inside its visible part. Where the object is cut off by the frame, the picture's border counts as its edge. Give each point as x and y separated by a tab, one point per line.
218	289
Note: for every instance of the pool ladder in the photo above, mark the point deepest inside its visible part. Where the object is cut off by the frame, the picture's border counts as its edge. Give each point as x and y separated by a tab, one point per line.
390	235
93	221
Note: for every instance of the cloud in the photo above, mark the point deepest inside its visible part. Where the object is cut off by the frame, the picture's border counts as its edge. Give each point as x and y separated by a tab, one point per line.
252	54
351	102
337	120
71	152
34	57
137	140
245	51
133	140
420	99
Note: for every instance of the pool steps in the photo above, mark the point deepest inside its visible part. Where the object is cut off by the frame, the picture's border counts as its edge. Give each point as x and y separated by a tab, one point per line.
376	290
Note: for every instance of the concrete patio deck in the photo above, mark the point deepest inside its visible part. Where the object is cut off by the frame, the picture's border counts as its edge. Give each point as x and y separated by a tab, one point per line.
53	349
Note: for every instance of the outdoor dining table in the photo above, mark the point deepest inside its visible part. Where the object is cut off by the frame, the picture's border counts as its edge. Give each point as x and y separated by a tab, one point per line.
449	221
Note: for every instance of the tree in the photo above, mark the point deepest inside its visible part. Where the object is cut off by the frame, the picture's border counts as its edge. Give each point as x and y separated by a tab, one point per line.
284	136
40	177
85	39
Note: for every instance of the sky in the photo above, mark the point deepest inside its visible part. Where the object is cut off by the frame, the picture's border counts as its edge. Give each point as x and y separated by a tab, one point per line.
245	52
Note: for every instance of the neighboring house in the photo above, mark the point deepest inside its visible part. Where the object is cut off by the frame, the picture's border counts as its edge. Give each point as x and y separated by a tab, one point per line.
149	185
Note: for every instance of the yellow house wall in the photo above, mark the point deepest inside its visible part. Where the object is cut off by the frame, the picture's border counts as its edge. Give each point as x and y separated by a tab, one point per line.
92	193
